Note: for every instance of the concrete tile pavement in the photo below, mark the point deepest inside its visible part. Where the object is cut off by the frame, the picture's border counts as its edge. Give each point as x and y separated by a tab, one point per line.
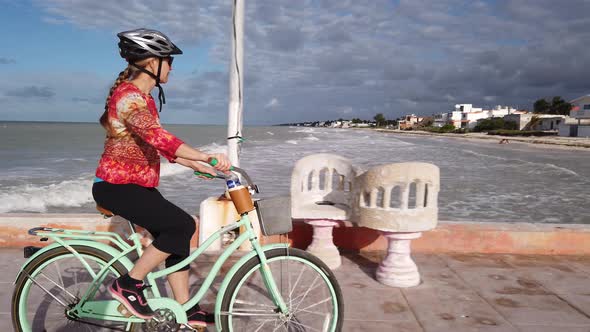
458	293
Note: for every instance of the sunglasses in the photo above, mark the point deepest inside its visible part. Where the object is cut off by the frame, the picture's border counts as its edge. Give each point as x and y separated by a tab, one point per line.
169	60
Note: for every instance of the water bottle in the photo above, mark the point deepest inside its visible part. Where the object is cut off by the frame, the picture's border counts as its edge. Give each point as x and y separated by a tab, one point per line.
232	181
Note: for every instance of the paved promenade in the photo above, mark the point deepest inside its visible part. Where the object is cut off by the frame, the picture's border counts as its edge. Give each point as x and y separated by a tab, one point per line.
459	293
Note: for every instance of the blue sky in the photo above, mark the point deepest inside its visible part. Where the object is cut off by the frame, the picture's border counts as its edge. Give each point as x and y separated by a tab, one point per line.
305	60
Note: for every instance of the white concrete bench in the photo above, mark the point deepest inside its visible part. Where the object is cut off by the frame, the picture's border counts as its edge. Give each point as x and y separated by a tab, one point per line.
400	200
321	187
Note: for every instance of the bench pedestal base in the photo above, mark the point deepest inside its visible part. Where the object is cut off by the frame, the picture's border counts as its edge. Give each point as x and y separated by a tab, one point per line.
322	244
398	269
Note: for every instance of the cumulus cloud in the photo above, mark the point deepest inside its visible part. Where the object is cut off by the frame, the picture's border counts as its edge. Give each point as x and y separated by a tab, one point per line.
372	56
272	104
6	61
31	92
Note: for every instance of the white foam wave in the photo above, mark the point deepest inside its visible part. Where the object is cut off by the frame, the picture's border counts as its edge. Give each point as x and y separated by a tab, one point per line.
270	133
61	160
168	169
544	165
562	169
214	148
70	193
303	130
291	141
312	138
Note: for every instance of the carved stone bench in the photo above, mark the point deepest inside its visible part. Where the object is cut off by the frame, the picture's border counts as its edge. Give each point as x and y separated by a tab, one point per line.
400	200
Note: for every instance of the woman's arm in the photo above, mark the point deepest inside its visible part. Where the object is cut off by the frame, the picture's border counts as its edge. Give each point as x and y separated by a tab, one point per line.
188	156
193	158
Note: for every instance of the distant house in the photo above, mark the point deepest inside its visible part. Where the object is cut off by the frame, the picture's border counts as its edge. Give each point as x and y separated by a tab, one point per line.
579	124
467	116
440	119
545	121
409	121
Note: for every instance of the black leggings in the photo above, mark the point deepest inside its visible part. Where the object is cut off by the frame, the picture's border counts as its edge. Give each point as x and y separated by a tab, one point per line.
171	227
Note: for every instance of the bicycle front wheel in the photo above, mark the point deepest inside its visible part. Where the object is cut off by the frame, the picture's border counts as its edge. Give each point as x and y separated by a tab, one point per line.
308	287
54	282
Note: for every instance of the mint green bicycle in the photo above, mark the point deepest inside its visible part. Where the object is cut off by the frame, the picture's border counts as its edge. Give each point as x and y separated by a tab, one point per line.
63	286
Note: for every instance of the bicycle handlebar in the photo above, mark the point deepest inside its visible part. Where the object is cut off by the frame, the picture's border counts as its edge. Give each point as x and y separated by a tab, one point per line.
213	162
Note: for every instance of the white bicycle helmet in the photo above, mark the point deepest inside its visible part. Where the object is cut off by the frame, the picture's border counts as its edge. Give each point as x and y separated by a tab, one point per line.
136	45
139	44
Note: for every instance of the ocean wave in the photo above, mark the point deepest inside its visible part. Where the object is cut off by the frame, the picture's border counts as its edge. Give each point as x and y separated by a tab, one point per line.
312	138
549	166
303	130
291	141
69	193
61	160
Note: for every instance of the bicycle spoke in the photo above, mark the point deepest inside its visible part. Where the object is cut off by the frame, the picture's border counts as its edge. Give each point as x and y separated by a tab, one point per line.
301	296
261	325
300	324
61	280
297	281
45	290
313	305
60	287
307	292
254	304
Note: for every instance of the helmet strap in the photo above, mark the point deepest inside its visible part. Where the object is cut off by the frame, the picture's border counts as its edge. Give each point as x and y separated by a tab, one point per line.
161	96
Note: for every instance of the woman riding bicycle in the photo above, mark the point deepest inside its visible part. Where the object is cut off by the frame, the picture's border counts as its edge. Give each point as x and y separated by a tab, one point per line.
129	169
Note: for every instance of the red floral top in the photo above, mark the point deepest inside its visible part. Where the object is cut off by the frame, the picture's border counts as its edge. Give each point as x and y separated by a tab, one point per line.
132	145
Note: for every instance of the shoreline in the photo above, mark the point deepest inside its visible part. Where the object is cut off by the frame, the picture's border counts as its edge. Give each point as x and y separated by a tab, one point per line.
569	143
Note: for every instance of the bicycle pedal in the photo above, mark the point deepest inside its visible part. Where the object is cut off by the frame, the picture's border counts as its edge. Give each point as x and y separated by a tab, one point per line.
123	311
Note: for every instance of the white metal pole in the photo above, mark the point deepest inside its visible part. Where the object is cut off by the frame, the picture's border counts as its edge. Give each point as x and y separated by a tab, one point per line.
236	77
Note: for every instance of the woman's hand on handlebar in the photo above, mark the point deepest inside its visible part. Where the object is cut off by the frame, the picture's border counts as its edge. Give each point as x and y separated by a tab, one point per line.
223	163
203	168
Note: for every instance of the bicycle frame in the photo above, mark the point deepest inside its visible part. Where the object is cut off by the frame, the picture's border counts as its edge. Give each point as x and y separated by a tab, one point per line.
107	309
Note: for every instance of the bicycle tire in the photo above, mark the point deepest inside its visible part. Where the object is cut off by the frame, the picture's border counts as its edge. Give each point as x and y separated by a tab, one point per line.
274	255
38	264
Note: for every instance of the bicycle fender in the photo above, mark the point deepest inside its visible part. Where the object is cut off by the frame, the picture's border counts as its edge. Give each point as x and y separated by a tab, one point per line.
93	244
232	272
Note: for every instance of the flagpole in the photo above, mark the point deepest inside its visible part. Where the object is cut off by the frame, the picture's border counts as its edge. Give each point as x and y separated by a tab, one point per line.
236	78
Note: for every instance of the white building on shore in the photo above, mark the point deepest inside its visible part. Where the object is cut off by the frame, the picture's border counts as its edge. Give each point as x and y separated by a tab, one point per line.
579	124
409	121
466	116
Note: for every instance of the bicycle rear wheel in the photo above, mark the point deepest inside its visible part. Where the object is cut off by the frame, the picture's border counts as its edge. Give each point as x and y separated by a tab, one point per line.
54	282
307	285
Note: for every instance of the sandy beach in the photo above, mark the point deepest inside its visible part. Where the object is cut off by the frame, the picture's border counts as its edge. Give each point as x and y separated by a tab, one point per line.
570	143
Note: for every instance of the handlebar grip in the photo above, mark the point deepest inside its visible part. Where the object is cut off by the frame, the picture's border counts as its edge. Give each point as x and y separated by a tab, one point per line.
207	175
213	161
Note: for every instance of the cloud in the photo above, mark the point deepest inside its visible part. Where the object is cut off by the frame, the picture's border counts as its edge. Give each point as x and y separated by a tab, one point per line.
88	100
273	104
6	61
31	92
372	56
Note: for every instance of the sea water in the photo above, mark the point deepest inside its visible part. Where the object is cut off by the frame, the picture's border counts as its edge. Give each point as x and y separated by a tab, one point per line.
49	167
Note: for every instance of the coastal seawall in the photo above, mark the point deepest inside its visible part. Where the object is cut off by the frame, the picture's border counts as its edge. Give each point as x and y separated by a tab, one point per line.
448	237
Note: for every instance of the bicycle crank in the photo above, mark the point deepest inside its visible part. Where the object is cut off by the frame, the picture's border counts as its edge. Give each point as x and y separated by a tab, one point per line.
164	320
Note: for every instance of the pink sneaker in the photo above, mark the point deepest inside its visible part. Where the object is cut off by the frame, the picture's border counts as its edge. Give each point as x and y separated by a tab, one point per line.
198	317
132	298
